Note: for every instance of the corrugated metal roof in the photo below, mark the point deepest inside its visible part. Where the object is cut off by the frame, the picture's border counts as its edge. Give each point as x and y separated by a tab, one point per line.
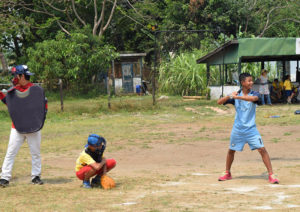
254	50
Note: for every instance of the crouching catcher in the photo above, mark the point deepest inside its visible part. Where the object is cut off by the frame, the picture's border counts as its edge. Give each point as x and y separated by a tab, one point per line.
91	163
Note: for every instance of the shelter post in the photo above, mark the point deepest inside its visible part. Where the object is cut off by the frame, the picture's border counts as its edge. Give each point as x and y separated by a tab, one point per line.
283	71
61	95
262	65
207	74
113	75
108	92
222	78
226	74
220	73
297	72
239	67
141	68
155	68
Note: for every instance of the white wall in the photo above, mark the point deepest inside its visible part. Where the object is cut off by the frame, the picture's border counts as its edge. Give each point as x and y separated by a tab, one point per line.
118	84
216	91
136	81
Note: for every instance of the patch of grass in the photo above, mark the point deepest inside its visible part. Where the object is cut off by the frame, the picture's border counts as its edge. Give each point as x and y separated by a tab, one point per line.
275	140
202	129
146	146
171	141
287	134
172	134
226	139
200	139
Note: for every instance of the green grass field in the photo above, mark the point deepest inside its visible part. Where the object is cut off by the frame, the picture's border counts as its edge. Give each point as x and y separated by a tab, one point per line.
158	150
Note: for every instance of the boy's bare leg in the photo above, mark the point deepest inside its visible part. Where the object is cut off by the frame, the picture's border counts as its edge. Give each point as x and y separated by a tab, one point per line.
266	159
229	159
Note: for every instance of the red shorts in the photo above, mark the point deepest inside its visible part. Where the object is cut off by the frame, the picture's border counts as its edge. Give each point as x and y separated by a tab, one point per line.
110	164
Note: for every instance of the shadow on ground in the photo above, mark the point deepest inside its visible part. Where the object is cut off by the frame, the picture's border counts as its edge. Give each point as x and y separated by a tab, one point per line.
262	176
286	159
57	180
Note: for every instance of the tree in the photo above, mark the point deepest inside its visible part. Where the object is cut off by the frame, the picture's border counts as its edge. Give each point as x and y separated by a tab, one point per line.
68	14
25	22
281	19
253	17
74	58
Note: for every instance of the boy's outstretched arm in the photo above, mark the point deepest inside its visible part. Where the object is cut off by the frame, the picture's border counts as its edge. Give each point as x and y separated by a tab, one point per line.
224	99
247	98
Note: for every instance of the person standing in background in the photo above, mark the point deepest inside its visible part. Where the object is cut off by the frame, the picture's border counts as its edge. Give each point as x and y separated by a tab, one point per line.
264	87
288	89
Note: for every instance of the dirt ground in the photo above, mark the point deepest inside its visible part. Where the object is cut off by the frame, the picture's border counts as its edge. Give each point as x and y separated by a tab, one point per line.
170	163
183	177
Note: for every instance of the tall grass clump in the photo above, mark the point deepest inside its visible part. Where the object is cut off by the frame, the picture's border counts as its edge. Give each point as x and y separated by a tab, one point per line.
255	70
181	75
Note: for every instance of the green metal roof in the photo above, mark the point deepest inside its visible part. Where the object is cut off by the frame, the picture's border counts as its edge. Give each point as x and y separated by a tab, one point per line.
254	50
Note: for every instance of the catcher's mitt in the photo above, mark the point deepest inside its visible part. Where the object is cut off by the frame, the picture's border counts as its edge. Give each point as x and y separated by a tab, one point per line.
107	182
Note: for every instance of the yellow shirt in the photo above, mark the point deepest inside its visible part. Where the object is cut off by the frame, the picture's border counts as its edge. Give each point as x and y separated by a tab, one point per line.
277	86
84	159
281	85
287	85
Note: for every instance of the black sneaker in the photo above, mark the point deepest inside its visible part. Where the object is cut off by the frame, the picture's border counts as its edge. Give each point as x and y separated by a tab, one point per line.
37	181
96	181
4	183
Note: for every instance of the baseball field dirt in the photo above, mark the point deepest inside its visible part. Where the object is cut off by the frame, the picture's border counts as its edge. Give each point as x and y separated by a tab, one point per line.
168	159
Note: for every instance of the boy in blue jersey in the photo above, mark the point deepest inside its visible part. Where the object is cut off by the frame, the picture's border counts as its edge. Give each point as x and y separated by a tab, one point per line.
244	128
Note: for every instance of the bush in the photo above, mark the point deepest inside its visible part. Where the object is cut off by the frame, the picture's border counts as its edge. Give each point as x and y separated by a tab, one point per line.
182	75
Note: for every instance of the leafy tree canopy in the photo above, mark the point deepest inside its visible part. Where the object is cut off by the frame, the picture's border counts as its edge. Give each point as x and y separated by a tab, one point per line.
76	58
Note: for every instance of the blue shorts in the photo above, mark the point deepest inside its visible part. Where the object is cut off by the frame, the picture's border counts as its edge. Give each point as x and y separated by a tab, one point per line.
239	139
288	92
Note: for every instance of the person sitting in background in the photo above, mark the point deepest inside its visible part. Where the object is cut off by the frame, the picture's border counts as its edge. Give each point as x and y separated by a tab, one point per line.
296	96
138	90
288	89
145	87
276	90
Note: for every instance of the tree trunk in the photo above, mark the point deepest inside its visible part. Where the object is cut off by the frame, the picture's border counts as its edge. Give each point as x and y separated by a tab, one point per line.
3	62
17	48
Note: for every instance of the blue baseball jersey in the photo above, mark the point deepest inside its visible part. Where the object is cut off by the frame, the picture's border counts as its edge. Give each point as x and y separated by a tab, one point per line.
245	113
